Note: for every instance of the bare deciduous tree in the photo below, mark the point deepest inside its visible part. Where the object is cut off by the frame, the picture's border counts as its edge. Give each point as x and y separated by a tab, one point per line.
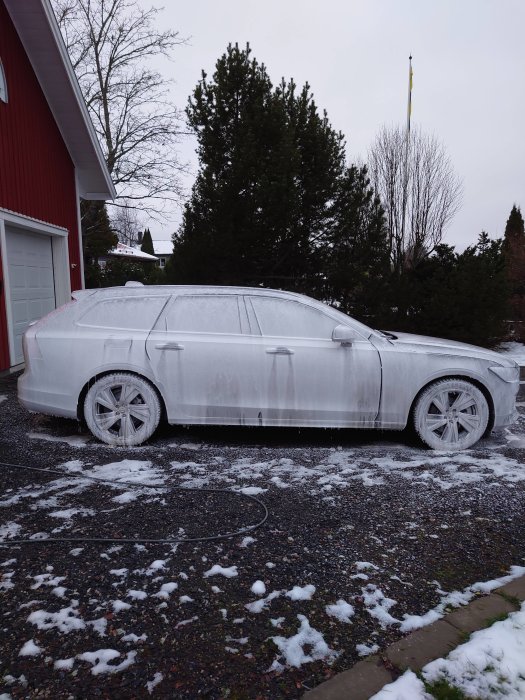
126	225
418	188
110	43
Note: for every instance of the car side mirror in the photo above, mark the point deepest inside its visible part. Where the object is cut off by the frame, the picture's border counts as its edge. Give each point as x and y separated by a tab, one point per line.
344	335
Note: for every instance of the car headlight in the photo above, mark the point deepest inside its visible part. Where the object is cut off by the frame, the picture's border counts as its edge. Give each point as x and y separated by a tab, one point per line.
508	374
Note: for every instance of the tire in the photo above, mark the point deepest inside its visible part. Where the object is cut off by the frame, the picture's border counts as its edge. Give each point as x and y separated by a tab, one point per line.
451	414
122	409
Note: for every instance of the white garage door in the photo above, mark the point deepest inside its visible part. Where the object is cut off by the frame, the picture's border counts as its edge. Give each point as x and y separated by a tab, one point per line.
31	281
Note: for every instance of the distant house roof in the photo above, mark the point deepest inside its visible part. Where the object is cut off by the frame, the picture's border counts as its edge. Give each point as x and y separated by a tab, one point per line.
40	35
163	247
122	250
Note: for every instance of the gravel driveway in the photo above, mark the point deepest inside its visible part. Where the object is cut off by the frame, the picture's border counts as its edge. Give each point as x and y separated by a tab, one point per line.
368	536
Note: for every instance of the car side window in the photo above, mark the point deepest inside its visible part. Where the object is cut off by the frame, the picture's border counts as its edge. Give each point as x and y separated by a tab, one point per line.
205	314
124	313
291	319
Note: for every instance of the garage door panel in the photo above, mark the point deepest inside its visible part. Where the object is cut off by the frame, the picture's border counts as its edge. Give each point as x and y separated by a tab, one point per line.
46	278
31	281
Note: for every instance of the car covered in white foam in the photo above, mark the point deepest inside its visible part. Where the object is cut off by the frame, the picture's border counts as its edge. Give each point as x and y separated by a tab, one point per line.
122	358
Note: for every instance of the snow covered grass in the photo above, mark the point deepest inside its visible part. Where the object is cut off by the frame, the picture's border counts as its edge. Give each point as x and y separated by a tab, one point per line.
490	666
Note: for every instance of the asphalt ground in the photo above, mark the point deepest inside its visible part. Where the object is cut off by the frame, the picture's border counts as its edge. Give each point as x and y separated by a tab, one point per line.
364	517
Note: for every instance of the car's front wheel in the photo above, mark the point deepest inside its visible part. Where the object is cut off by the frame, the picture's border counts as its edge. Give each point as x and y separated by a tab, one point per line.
451	414
122	409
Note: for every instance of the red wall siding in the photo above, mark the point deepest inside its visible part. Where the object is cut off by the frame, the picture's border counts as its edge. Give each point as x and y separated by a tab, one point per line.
37	176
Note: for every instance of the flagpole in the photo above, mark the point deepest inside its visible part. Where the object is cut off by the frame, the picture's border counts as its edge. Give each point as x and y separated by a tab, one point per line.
409	108
407	145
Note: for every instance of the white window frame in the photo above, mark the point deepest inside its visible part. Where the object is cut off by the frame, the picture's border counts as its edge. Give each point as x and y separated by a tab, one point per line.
60	248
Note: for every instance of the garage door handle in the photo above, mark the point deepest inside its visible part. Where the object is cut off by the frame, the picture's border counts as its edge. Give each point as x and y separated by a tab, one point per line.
279	351
169	346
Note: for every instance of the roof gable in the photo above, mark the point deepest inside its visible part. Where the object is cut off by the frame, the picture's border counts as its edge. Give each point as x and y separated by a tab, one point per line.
40	35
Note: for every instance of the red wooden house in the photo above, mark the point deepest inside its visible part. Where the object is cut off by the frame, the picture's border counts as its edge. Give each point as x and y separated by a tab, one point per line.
49	158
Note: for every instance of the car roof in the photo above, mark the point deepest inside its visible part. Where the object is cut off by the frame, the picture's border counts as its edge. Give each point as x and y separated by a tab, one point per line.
139	290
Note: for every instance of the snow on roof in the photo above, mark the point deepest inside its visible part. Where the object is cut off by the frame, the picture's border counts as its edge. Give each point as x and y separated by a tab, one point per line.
127	251
163	247
40	35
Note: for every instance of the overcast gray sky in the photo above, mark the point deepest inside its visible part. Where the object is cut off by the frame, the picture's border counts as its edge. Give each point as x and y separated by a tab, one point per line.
469	79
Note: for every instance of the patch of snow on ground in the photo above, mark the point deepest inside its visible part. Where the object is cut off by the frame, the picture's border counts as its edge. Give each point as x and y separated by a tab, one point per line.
131	470
68	513
258	605
364	650
293	648
166	590
9	530
218	570
490	665
3	398
378	605
258	588
65	620
456	599
134	638
301	593
340	469
71	440
406	687
252	490
100	660
30	649
341	610
155	681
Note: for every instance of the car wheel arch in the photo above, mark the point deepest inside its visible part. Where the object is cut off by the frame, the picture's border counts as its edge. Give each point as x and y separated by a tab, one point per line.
462	377
99	375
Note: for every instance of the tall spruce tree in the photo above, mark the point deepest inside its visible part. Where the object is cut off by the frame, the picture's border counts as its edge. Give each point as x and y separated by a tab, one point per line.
355	262
147	243
273	200
98	238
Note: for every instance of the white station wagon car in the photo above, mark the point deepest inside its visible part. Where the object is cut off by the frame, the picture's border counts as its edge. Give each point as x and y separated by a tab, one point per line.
122	358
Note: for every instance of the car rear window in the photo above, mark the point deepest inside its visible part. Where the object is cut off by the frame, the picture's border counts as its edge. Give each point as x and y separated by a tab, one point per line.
136	313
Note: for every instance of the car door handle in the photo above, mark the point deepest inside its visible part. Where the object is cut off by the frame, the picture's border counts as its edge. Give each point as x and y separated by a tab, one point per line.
280	351
169	346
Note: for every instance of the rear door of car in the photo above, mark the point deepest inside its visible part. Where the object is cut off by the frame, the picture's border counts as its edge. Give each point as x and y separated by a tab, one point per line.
203	360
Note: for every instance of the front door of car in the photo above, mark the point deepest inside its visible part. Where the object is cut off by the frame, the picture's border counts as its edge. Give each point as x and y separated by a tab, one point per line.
200	358
303	376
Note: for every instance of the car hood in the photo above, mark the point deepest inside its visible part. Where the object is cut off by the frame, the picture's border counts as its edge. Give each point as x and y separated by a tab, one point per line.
425	343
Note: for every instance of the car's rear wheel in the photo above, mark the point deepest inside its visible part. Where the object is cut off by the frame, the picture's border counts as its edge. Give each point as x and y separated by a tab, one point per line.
451	414
122	409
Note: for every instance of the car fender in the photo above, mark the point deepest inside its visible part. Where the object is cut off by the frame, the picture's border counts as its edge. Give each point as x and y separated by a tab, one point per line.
404	380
